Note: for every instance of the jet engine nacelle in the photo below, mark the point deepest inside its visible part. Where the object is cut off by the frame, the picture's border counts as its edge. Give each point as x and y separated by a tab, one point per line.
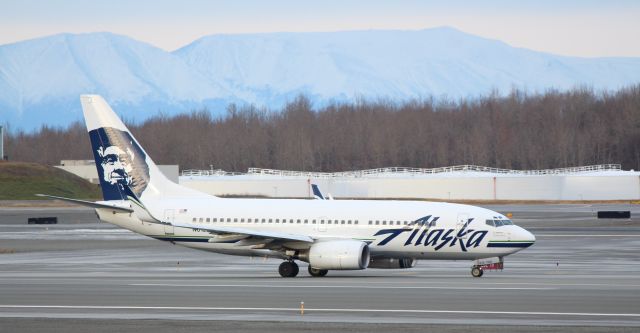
339	254
392	263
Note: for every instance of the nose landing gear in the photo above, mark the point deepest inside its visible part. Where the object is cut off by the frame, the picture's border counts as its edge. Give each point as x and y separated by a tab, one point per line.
476	271
491	264
288	269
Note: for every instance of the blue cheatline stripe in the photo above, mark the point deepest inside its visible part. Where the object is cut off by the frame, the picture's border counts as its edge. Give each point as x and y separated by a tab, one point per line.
510	244
189	239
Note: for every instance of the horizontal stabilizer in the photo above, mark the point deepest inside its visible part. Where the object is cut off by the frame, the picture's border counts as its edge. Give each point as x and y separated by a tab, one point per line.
89	203
242	231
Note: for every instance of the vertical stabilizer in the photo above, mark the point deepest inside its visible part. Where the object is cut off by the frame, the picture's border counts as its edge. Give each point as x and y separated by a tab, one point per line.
316	192
121	162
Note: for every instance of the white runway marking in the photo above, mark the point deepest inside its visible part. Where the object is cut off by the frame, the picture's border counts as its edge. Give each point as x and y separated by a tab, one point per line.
307	309
332	286
276	284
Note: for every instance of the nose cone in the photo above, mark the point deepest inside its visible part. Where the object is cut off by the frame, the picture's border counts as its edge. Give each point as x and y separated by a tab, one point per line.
523	237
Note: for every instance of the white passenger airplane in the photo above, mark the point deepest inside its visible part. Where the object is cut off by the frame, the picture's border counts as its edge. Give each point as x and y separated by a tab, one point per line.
327	234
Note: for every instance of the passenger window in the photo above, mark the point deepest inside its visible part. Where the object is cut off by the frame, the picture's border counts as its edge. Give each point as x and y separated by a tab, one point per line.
349	222
194	219
201	220
313	221
298	221
241	220
263	220
370	222
208	219
384	222
306	221
355	222
342	222
228	219
328	221
270	221
377	222
321	221
277	220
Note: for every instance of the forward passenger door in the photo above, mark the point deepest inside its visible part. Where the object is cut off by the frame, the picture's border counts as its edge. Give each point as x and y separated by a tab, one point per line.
169	216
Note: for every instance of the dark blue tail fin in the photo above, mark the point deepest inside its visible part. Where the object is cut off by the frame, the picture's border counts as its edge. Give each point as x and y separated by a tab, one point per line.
316	192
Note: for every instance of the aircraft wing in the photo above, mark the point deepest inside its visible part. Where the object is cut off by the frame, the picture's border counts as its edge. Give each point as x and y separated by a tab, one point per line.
89	203
248	232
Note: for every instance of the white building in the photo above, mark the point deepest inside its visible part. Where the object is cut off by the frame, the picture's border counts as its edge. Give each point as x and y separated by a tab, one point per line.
466	182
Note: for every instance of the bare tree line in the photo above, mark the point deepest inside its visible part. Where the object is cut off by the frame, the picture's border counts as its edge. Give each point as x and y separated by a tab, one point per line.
519	131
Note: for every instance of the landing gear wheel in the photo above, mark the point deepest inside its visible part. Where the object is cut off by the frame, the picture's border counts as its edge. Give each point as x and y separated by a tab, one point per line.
288	269
476	271
315	272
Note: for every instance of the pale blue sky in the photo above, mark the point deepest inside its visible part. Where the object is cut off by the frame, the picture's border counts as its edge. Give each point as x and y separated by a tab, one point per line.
580	28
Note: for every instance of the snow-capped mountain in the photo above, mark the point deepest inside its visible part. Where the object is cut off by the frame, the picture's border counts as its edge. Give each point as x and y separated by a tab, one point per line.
40	79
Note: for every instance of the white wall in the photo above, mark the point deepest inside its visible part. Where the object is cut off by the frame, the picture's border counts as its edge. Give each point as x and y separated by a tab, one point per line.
622	185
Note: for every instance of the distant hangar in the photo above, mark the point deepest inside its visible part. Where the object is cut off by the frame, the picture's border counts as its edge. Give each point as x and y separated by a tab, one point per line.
465	182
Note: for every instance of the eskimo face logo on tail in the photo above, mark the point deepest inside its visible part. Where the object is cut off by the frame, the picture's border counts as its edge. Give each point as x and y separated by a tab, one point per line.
120	162
115	168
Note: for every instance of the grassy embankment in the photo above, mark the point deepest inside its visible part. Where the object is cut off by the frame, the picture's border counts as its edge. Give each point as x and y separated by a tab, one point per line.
21	181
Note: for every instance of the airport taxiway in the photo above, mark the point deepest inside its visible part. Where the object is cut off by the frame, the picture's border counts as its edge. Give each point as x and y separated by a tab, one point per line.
582	274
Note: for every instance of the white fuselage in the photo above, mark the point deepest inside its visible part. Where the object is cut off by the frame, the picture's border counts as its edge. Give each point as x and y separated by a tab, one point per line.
443	230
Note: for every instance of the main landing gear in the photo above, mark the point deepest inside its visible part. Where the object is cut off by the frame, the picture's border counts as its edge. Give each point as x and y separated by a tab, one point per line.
315	272
288	269
476	271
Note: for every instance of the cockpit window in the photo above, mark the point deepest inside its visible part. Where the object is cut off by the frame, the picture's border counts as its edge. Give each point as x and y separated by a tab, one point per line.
499	223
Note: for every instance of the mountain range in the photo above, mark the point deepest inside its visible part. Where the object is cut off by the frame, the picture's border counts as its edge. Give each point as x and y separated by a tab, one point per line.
41	79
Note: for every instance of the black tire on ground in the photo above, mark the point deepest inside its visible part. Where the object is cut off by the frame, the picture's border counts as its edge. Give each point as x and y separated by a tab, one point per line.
288	269
315	272
476	271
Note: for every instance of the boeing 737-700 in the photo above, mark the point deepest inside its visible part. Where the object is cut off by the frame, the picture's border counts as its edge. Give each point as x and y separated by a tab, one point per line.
326	234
